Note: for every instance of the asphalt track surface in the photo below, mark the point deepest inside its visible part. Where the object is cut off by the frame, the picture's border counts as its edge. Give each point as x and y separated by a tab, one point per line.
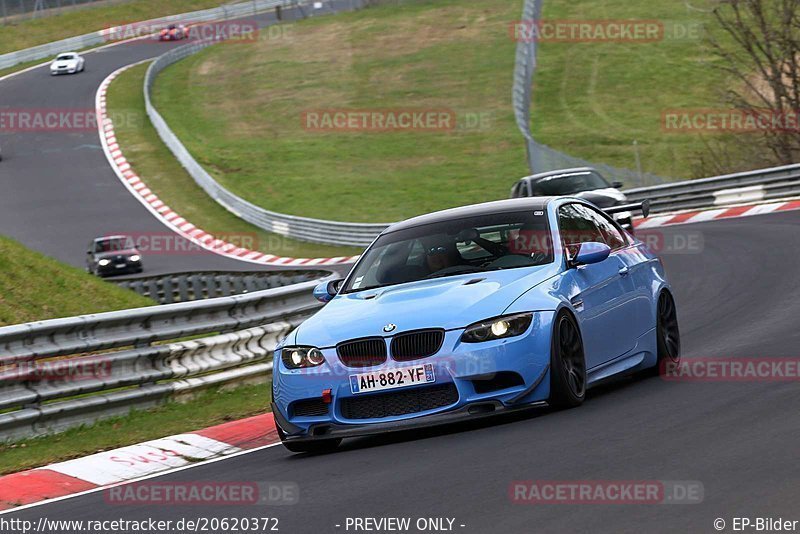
57	190
737	296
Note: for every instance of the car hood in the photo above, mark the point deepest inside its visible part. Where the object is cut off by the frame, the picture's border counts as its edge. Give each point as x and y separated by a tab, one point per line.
453	302
602	198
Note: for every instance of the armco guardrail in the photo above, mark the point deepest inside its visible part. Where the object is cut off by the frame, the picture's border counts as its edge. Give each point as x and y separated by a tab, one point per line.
186	287
41	391
751	186
302	228
226	12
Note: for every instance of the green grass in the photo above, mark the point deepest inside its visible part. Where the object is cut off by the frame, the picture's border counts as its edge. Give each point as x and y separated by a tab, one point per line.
238	107
34	287
159	169
26	33
593	100
207	409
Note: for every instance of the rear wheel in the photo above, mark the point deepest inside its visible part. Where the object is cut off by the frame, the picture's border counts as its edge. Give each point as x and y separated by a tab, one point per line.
567	364
668	337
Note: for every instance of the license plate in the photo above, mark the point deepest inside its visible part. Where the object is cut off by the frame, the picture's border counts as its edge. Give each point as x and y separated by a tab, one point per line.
392	378
121	266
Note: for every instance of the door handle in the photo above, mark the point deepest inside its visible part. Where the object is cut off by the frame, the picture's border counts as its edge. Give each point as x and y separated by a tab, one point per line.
623	271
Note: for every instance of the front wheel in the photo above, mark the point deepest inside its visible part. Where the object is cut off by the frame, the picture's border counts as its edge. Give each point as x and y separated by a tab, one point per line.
567	364
668	337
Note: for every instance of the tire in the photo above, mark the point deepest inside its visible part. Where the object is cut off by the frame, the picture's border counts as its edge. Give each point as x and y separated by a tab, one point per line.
311	447
567	364
668	337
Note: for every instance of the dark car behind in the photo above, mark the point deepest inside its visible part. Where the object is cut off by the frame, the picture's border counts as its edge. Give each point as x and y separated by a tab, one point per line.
112	255
581	182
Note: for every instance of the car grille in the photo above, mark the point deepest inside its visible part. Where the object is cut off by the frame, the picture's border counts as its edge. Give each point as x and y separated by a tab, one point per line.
362	352
309	408
397	403
416	345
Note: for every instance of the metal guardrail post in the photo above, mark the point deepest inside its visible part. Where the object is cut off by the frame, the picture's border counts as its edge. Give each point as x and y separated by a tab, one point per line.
38	392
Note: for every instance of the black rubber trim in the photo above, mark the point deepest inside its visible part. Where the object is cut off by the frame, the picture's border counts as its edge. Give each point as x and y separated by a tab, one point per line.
322	431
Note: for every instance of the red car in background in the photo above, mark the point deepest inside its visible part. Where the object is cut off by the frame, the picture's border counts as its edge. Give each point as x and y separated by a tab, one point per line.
174	32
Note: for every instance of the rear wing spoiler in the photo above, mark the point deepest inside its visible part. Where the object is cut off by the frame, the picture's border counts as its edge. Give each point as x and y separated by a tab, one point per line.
643	206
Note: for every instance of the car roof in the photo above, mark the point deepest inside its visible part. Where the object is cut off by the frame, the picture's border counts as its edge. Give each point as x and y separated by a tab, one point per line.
549	174
474	210
109	238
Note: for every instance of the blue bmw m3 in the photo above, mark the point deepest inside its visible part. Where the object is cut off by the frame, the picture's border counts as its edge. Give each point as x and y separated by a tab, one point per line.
474	311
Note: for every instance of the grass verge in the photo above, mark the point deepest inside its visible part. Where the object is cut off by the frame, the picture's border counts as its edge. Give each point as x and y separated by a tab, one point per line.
34	287
239	108
594	99
207	409
163	174
26	33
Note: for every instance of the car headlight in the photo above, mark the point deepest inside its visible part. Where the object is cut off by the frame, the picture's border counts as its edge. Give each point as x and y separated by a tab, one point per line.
135	258
302	357
103	263
498	328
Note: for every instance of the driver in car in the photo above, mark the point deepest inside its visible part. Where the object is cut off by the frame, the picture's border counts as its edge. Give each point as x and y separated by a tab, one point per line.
441	255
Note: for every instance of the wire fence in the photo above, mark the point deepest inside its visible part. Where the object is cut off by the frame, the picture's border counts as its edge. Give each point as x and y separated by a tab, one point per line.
542	158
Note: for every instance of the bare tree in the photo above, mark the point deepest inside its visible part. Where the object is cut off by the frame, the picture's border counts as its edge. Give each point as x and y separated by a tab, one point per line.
760	49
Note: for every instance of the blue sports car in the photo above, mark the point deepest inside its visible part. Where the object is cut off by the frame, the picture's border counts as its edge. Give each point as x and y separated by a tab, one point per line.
474	311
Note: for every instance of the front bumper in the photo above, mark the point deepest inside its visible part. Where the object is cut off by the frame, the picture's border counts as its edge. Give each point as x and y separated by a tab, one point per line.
467	367
119	268
469	412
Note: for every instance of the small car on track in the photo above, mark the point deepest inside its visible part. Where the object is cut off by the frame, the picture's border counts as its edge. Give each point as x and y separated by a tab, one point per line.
67	63
112	255
174	32
582	182
474	311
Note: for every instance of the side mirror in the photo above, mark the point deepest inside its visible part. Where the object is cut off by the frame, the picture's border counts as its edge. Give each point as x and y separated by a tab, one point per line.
591	252
617	185
325	291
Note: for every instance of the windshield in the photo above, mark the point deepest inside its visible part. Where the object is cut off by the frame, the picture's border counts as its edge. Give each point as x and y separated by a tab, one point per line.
568	184
460	246
64	57
113	244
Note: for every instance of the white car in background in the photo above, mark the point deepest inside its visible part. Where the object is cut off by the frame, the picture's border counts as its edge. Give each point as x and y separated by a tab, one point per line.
67	63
